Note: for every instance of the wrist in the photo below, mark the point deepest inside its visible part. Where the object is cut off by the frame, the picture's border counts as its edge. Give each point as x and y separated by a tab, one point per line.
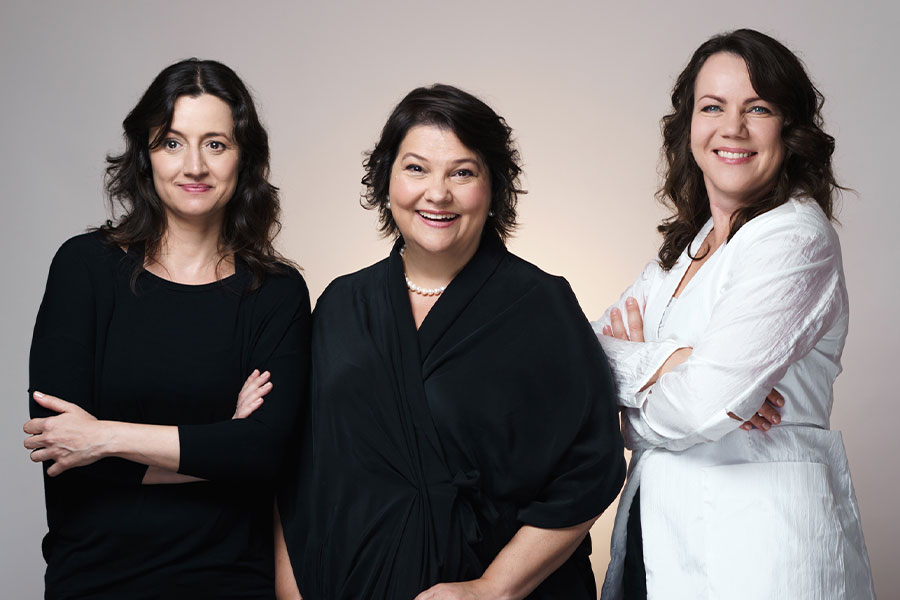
489	587
109	439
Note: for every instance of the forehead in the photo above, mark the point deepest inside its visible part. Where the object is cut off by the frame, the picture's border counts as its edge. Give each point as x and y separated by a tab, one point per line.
724	74
203	113
435	142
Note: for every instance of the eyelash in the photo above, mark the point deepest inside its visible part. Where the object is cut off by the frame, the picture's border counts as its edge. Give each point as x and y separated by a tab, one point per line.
762	110
173	144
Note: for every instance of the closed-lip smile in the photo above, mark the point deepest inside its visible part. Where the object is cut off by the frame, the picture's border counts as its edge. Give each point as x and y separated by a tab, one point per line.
195	187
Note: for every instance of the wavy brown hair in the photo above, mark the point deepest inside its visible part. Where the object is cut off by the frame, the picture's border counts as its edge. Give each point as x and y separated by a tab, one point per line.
780	78
252	214
476	125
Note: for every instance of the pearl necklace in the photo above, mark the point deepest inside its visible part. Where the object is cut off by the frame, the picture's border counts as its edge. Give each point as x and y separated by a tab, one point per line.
416	289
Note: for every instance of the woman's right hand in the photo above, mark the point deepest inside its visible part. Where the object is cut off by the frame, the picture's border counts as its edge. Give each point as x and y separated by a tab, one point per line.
251	396
767	415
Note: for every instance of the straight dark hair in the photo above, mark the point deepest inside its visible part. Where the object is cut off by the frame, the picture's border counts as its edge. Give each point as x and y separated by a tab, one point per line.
780	78
251	219
476	125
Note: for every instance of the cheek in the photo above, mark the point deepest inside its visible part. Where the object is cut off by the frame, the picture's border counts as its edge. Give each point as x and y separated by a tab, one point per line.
480	199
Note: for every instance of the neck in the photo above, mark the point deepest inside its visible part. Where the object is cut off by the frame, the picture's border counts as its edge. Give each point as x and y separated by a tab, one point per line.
435	269
190	253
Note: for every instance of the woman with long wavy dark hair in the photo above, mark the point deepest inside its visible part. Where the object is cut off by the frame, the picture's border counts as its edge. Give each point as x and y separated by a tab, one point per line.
726	347
169	359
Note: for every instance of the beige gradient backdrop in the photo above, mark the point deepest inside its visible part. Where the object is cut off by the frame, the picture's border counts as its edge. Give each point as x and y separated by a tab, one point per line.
582	83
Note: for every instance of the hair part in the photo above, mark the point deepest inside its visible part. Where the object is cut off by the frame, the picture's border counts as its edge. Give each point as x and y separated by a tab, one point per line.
478	128
251	220
779	77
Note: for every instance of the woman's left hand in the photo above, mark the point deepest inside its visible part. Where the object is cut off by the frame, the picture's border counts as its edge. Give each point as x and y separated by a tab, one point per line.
73	438
476	589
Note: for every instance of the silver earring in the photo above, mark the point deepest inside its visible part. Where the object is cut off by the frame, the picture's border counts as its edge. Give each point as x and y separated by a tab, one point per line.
491	213
388	204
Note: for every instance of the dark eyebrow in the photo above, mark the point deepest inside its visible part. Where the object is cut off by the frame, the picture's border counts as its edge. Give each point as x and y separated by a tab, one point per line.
210	134
722	100
458	161
413	155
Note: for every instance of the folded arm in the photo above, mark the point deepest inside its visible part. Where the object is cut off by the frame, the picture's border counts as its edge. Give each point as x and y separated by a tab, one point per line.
777	305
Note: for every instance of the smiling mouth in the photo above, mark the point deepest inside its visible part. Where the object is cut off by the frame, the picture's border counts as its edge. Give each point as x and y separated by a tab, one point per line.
444	217
726	154
195	187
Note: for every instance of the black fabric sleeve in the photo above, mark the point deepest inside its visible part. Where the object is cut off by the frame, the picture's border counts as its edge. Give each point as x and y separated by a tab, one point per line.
253	449
62	359
591	471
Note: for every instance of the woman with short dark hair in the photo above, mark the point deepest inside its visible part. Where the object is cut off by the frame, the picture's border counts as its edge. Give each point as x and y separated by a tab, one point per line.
729	347
461	439
174	343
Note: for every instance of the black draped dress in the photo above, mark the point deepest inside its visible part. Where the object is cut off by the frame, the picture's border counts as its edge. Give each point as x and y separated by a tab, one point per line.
426	450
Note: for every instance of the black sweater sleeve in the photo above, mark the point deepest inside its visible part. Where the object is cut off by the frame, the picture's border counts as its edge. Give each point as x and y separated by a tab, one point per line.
252	449
62	359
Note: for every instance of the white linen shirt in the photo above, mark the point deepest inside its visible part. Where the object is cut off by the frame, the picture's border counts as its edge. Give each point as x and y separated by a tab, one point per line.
729	514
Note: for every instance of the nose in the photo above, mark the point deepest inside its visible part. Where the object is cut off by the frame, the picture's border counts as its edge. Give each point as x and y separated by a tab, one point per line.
732	124
438	191
194	163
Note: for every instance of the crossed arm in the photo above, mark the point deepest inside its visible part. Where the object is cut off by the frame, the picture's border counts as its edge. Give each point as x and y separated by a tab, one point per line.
763	419
75	438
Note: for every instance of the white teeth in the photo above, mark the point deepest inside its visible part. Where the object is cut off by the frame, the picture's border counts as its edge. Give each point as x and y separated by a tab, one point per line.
725	154
434	217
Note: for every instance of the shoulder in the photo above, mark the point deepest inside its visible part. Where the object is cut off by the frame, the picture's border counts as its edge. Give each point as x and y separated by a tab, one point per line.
352	285
795	235
85	247
801	218
523	278
284	287
88	253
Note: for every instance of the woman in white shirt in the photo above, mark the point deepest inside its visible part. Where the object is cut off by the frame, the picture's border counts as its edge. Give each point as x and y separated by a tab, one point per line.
743	314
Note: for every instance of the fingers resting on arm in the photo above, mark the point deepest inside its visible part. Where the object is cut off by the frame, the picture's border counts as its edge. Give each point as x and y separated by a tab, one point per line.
634	331
252	394
767	415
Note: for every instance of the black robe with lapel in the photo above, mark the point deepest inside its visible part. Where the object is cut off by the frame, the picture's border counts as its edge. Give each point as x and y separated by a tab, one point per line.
425	450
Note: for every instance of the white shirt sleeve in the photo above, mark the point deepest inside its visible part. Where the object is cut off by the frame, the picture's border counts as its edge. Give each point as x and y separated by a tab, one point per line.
779	300
633	363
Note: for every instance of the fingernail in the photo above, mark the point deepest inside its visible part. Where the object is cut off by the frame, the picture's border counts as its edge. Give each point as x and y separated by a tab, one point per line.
779	402
630	301
615	311
765	425
776	419
38	395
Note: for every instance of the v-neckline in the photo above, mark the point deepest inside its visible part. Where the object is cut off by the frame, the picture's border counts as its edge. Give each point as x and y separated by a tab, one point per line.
685	256
451	303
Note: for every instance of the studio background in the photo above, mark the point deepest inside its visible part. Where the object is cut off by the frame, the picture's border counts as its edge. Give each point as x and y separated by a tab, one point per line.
583	84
